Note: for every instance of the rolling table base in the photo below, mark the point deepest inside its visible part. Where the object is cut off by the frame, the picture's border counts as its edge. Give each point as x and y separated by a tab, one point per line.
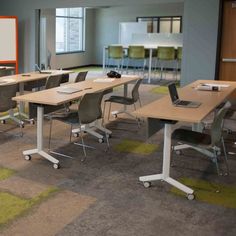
165	175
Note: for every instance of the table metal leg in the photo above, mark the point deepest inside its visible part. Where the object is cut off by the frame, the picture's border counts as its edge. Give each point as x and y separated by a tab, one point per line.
165	175
39	150
150	65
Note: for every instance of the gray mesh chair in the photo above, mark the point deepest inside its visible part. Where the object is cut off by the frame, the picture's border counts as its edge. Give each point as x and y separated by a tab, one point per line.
208	144
125	100
89	110
7	92
53	81
81	76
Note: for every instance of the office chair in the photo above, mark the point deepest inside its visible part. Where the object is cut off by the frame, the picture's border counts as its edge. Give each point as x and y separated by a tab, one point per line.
7	92
165	55
53	81
64	78
207	144
116	54
89	110
136	54
126	100
81	76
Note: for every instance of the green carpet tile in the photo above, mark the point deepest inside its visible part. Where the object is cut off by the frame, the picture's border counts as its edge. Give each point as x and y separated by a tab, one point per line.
133	146
5	173
206	192
12	206
163	89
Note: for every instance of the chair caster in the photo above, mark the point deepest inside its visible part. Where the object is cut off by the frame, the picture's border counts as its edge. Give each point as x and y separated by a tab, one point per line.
101	140
190	197
32	122
3	121
76	135
147	184
27	157
178	152
108	135
115	115
22	125
56	166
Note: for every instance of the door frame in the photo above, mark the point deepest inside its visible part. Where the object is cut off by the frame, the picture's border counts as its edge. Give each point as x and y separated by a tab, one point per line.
219	37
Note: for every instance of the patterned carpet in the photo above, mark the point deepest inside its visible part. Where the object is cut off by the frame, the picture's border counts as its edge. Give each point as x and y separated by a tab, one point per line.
102	196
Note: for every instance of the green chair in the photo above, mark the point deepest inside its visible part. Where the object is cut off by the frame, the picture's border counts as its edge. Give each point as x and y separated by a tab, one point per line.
208	144
115	56
178	59
136	54
165	55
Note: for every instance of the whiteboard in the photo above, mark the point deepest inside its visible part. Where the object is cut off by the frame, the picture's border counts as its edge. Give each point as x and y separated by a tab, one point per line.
8	39
127	29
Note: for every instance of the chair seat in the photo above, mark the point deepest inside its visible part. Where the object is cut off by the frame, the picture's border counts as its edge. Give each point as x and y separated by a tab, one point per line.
121	100
70	118
193	137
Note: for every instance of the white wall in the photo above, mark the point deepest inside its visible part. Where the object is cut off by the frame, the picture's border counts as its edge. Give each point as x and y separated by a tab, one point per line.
199	40
200	29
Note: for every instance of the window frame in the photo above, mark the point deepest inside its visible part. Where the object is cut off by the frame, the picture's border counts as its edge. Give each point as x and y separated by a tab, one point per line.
158	20
83	17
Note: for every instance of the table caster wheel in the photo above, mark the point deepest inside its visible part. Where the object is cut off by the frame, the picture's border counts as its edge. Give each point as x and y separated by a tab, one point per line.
27	157
100	140
190	197
147	184
178	152
56	165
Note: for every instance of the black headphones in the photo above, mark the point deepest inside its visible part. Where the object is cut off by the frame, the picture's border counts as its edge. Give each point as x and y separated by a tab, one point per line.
113	74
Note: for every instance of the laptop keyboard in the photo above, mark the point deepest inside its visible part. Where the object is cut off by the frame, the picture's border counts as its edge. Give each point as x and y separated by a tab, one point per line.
184	103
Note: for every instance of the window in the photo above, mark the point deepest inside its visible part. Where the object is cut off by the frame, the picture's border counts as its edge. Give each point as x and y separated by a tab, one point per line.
70	30
169	24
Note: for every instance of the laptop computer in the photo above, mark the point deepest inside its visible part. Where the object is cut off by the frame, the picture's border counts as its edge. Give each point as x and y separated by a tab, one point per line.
41	71
68	90
180	103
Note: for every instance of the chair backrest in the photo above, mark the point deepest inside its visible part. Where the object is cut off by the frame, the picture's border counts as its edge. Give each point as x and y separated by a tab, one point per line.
90	107
216	127
115	52
3	72
81	76
7	92
179	54
135	92
53	81
64	78
136	52
166	53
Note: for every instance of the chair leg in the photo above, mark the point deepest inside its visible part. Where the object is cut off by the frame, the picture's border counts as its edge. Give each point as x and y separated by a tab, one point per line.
108	118
71	132
216	162
225	156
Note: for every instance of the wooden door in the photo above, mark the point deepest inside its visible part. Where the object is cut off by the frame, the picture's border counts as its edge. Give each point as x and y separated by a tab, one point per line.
227	70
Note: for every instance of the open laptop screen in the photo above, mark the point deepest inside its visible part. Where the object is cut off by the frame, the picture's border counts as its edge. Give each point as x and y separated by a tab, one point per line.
173	92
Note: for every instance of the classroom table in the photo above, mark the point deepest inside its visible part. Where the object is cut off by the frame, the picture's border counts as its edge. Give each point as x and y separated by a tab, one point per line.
21	79
149	47
54	98
164	111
